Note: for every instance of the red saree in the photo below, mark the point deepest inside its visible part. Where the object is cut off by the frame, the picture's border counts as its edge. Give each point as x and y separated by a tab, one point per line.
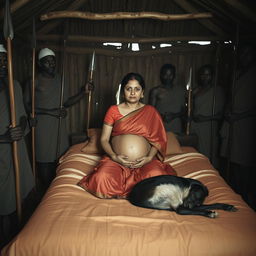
112	180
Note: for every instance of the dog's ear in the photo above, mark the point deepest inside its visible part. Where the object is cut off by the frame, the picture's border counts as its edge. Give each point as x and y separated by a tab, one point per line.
206	191
203	187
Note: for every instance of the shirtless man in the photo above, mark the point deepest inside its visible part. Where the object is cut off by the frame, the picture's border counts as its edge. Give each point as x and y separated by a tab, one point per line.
169	99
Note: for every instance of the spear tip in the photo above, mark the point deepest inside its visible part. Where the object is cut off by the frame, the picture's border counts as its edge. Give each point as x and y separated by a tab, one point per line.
8	28
92	64
34	33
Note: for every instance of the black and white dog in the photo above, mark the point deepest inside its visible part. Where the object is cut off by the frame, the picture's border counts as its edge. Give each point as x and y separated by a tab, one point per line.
183	195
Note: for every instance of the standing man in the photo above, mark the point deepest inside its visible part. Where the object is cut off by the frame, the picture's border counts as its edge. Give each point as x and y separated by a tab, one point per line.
48	112
47	103
8	223
238	130
208	110
169	100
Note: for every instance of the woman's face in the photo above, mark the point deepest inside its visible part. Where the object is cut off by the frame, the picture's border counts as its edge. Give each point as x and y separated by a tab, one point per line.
133	92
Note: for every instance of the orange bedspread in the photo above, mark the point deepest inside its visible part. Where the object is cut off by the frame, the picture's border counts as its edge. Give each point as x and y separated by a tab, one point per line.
72	222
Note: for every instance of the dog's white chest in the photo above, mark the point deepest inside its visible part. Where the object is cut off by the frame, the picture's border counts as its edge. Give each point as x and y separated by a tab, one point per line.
168	196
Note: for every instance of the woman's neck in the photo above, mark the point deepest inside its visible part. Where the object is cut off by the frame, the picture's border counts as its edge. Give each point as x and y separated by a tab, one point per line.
133	106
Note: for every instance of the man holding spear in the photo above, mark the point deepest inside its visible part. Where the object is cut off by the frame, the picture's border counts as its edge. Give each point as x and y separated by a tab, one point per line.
9	134
47	95
49	92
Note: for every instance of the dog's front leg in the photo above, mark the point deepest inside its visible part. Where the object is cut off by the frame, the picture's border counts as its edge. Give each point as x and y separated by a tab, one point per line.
186	211
217	206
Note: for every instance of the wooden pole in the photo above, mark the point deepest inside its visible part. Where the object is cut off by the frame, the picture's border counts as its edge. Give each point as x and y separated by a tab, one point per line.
103	39
216	76
8	34
230	133
61	99
61	105
124	15
33	101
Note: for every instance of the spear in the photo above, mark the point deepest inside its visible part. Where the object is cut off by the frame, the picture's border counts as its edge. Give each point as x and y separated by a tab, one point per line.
61	104
89	89
213	132
8	34
230	132
33	97
189	88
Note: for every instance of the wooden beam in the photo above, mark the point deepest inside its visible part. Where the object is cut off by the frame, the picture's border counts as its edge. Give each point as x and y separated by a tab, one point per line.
15	6
123	15
98	39
122	53
50	26
246	11
207	23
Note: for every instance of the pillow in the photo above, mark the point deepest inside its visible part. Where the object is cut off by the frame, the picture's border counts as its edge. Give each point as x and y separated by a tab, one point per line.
93	146
173	145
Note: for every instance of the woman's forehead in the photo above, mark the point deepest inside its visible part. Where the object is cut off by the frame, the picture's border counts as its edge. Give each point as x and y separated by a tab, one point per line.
133	83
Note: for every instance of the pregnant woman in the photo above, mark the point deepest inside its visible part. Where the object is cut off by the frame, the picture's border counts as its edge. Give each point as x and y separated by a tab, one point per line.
134	139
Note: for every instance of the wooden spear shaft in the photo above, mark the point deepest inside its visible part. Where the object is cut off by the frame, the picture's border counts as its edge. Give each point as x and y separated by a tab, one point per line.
8	34
189	101
89	102
33	101
61	104
33	113
13	124
61	100
189	112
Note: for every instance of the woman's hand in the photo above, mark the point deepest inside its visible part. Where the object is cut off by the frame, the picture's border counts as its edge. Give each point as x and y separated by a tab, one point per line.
142	161
123	160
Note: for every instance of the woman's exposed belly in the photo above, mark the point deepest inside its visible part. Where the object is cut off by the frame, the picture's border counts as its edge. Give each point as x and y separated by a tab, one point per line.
130	145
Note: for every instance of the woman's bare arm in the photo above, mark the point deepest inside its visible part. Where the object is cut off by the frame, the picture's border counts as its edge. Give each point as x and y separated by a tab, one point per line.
105	140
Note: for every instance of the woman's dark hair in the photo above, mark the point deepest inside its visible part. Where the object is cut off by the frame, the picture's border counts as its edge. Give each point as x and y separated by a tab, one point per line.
132	76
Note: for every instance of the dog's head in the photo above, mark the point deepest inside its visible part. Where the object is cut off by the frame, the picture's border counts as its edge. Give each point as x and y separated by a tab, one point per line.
197	193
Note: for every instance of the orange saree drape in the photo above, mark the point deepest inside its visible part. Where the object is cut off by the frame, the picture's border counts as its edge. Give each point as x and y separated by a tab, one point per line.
112	180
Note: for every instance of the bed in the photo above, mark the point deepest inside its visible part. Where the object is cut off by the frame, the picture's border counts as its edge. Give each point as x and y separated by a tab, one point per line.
70	221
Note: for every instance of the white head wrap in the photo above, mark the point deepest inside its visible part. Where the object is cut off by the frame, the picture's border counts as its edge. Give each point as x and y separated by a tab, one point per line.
45	52
2	49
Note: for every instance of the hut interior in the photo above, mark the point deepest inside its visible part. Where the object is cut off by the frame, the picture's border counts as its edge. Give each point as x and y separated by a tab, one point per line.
130	36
